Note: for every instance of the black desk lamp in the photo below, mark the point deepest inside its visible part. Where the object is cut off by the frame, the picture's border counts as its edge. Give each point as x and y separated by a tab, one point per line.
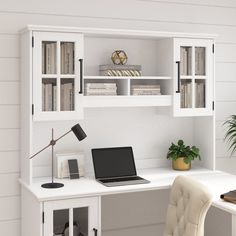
79	133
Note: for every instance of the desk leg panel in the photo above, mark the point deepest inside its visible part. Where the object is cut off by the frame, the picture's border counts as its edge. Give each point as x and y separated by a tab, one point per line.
233	225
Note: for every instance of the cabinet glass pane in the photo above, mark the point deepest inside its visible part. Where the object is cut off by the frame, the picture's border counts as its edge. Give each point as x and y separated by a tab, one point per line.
61	222
67	57
80	221
186	93
67	95
186	60
49	57
200	61
200	94
49	94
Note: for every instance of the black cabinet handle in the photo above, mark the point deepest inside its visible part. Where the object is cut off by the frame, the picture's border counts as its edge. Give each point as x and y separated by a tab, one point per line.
81	76
178	74
95	232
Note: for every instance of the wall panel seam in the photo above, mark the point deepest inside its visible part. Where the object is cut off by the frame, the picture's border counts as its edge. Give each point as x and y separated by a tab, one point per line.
11	220
189	4
9	195
4	57
116	18
225	100
10	173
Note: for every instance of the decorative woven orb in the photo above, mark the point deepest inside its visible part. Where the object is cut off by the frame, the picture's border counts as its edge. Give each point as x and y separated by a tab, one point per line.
119	57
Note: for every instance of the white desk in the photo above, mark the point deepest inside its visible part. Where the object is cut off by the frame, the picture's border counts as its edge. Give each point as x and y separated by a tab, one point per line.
218	183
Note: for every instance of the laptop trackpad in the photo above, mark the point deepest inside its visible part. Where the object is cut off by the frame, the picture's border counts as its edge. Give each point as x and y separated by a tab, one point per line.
121	183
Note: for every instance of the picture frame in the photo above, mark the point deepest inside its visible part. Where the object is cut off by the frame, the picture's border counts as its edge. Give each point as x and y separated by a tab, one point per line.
62	167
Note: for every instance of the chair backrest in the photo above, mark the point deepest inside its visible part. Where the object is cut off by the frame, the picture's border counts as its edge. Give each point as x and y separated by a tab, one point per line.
188	205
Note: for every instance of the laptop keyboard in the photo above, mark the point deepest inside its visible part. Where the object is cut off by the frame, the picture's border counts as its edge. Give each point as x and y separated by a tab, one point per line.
120	179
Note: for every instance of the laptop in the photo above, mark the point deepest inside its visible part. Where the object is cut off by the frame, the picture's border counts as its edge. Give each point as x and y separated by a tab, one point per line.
115	166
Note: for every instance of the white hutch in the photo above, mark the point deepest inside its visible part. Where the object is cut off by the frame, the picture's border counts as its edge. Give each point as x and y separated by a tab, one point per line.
58	64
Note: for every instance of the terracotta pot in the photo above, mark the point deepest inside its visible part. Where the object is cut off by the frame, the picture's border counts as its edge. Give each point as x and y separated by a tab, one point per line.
179	164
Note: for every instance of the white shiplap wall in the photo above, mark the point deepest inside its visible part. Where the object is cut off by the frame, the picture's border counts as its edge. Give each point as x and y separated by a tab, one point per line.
203	16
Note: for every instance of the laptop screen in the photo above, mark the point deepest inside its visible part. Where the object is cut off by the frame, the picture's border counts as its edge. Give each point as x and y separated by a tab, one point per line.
113	162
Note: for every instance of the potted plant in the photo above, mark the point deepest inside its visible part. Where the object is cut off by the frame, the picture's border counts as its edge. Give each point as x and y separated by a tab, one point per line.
182	155
230	135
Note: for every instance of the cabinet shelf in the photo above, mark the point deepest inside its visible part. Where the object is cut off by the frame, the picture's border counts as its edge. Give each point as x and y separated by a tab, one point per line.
127	101
129	77
191	77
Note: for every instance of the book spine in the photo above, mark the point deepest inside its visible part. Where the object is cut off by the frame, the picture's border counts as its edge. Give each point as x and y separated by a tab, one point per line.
43	97
63	58
54	98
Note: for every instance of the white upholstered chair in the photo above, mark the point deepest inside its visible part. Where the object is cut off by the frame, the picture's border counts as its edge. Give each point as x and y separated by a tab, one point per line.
188	205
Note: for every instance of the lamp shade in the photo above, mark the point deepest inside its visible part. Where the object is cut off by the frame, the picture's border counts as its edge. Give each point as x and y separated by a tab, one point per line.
78	131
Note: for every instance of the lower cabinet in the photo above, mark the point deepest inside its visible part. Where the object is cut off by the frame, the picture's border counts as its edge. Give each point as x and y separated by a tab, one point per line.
72	217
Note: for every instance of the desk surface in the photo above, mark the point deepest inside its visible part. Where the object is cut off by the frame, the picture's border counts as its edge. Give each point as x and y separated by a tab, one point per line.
161	178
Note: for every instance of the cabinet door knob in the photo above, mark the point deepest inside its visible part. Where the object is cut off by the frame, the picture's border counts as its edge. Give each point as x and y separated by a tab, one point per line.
95	232
178	74
81	76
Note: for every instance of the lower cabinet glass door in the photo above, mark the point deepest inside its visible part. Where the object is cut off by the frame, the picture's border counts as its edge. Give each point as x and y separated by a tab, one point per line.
60	222
73	217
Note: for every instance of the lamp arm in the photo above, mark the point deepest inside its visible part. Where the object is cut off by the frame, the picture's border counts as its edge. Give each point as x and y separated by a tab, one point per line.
41	150
52	143
62	136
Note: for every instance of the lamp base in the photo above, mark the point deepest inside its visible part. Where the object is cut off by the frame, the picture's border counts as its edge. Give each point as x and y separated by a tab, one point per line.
52	185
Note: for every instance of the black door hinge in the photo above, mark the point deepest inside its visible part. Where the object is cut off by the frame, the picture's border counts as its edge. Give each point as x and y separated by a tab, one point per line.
213	48
32	109
213	105
43	217
32	41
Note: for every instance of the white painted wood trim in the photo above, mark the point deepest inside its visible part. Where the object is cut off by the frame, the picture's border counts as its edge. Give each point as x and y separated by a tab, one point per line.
117	32
127	101
128	77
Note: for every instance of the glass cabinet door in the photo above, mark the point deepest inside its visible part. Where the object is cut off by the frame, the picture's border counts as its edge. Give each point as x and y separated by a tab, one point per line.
60	222
194	77
56	70
72	217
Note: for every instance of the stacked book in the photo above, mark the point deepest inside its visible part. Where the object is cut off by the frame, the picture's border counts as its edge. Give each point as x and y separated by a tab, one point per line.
120	70
67	97
186	95
49	97
67	58
100	89
200	94
49	57
186	60
146	90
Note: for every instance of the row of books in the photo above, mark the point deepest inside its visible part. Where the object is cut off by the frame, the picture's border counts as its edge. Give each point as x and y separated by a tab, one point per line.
186	95
49	57
49	60
67	97
200	61
145	90
186	61
100	89
49	97
200	95
67	58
